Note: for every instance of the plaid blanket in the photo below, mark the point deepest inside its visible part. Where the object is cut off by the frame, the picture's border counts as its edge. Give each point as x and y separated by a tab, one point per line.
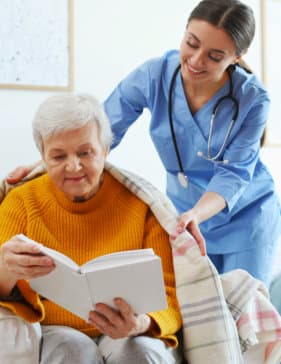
227	319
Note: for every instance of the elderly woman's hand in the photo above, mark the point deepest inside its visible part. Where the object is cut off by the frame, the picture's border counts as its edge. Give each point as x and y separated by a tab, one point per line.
121	323
23	260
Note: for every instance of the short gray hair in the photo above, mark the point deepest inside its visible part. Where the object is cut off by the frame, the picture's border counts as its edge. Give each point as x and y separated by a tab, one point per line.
65	112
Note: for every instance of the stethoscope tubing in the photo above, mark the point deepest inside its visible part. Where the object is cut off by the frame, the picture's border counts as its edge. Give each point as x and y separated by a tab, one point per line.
170	111
209	157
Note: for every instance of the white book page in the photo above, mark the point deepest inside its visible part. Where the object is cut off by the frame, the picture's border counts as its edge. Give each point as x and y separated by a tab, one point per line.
118	259
57	256
67	288
140	284
60	258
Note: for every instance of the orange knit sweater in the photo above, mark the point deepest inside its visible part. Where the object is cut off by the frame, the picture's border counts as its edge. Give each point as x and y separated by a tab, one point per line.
113	220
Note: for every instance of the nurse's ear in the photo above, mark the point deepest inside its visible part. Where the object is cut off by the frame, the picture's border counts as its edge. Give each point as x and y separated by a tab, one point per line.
240	61
238	57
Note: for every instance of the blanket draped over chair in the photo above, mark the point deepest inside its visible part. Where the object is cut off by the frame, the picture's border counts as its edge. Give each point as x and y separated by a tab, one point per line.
225	317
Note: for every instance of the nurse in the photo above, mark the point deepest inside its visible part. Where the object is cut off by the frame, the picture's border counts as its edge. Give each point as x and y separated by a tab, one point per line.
227	189
215	177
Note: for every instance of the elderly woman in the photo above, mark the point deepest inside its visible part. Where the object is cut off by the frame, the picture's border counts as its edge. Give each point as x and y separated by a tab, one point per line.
80	209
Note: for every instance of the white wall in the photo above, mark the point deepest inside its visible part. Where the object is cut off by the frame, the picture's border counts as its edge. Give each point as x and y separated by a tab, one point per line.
110	38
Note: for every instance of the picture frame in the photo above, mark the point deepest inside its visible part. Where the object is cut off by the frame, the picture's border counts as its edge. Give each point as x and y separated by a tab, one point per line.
36	50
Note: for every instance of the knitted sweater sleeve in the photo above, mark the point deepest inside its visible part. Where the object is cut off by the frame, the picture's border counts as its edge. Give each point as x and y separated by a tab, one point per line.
30	307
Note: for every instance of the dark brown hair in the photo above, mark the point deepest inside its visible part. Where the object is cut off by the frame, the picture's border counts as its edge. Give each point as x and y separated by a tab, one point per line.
234	17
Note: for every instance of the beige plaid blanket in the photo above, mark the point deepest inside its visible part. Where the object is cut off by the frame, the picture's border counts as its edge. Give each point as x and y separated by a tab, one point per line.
227	319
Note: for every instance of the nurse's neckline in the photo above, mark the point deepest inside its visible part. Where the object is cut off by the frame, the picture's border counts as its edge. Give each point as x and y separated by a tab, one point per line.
196	99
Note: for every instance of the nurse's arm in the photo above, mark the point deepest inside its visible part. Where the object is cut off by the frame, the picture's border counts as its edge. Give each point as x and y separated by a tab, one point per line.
20	172
210	204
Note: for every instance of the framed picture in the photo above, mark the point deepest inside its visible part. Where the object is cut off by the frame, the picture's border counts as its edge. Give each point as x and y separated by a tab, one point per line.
36	48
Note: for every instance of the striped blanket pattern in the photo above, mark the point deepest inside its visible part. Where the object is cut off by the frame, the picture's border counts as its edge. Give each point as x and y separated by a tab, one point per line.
227	319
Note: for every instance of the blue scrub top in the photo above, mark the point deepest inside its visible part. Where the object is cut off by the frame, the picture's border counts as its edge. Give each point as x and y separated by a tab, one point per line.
252	215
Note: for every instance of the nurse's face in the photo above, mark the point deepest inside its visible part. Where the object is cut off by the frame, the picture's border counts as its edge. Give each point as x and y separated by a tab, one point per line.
205	52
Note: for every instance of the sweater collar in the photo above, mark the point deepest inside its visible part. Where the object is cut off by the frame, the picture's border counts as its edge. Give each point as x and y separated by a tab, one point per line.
96	201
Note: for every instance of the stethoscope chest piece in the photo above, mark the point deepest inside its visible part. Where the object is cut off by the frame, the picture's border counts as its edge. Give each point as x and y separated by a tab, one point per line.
183	180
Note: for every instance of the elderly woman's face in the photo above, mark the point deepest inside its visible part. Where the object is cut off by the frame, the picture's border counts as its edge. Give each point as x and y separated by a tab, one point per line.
75	161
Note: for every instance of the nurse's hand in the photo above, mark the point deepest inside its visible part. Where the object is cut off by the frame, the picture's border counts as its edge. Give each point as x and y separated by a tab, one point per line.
19	173
210	204
119	323
188	221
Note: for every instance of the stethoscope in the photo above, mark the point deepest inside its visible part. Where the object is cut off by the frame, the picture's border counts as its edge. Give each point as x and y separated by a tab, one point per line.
182	178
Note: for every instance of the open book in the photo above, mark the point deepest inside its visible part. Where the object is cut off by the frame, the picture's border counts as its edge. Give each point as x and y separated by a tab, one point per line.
135	275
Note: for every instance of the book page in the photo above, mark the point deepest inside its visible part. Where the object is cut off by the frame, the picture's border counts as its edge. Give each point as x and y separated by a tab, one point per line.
117	259
58	257
141	284
66	288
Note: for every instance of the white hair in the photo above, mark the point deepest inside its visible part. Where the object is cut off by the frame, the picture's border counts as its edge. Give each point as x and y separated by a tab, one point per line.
65	112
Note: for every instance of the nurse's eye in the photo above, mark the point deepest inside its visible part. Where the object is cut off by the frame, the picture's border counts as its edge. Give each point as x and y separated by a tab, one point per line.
192	44
215	57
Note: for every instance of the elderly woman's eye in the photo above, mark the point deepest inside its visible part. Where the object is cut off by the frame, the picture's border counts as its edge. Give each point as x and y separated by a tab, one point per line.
58	157
85	153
